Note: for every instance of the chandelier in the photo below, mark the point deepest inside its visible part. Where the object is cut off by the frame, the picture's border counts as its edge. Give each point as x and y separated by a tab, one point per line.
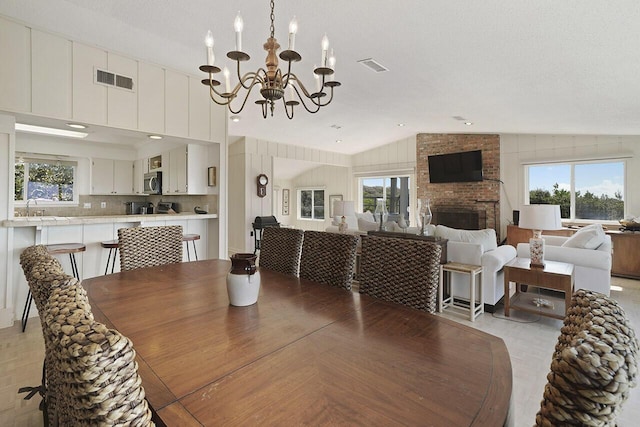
272	81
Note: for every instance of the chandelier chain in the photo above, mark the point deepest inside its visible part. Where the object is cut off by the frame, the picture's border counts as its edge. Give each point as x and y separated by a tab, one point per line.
273	18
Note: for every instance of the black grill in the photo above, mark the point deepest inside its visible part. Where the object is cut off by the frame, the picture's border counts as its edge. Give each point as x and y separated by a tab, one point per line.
260	223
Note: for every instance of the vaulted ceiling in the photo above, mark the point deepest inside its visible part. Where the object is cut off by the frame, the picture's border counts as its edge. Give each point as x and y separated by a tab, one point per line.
510	66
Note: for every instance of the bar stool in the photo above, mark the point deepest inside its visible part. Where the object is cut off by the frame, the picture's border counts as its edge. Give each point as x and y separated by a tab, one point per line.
56	249
112	245
191	238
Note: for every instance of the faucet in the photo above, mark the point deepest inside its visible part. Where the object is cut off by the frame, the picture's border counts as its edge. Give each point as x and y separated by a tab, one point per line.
29	201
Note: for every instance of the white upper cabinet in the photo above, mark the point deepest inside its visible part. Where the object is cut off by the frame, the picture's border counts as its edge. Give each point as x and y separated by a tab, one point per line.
52	75
150	98
187	170
89	99
15	66
218	122
111	176
199	110
122	103
140	167
176	107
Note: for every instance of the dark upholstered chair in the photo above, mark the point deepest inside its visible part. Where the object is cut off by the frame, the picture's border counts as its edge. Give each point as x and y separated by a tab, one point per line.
328	258
403	271
149	246
280	249
96	374
593	367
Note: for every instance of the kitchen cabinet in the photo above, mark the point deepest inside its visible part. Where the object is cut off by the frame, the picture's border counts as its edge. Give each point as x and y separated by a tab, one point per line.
15	66
111	176
187	170
150	98
140	167
199	110
176	107
89	99
51	62
122	104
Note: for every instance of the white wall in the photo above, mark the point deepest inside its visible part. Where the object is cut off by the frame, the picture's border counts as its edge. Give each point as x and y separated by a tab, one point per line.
7	147
517	149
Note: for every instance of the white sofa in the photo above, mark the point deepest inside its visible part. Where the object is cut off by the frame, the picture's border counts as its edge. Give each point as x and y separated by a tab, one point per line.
477	247
592	266
361	223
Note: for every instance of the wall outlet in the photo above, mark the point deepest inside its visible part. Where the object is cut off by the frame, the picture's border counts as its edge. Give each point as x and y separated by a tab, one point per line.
103	205
87	206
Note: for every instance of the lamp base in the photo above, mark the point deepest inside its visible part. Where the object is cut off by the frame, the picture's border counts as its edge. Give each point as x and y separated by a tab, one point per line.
343	226
536	252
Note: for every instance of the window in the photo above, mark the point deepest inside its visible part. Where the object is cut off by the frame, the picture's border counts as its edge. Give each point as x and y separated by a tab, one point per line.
311	204
584	190
46	180
394	190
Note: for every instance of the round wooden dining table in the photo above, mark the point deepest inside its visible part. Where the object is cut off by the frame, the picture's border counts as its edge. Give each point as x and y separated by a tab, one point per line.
305	354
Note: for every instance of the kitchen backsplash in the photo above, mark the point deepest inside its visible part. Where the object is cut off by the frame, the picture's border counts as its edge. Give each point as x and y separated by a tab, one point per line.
115	205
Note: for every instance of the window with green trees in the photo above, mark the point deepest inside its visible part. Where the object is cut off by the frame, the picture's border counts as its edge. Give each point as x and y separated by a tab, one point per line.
311	204
394	190
44	180
584	190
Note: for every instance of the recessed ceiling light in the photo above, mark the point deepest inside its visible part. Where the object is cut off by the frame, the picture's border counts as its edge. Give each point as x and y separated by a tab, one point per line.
338	141
155	137
468	123
76	125
21	127
400	124
235	119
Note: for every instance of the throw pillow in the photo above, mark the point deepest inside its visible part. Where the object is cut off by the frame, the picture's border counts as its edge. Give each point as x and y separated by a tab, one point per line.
486	237
367	216
364	225
589	237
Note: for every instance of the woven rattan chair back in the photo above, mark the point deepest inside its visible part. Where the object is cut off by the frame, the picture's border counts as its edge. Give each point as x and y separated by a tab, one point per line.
328	258
149	246
594	364
403	271
96	374
280	249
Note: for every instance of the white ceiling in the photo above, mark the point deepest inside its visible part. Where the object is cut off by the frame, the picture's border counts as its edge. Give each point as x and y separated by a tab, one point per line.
510	66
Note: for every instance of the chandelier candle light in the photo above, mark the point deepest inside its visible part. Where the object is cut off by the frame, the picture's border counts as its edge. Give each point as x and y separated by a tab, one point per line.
272	81
538	218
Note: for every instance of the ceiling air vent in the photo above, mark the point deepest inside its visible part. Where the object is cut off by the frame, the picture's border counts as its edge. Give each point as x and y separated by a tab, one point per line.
112	79
373	65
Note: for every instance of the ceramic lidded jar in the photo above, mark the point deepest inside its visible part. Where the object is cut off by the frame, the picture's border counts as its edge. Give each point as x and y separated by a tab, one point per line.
243	281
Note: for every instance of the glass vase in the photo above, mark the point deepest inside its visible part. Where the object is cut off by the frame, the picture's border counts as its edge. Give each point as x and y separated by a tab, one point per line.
381	213
424	216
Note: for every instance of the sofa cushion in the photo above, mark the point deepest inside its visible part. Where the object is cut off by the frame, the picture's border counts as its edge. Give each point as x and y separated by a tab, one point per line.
589	237
486	237
364	225
367	216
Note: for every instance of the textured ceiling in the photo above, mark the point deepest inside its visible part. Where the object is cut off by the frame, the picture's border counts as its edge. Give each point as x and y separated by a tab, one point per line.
511	66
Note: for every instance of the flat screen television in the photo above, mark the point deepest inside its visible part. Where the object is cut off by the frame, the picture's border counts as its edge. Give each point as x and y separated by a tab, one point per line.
456	167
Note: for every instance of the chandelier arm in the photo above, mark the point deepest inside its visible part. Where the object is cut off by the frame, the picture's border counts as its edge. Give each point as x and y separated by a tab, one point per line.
213	92
286	110
246	97
306	96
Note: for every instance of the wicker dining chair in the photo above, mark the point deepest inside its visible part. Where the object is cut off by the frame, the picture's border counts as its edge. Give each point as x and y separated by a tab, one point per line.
403	271
328	258
594	364
149	246
280	249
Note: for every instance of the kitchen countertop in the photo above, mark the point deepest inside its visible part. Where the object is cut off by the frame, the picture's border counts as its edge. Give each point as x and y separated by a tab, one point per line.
39	221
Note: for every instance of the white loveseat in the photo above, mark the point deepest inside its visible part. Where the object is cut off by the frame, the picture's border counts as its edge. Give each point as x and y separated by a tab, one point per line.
477	247
592	266
361	223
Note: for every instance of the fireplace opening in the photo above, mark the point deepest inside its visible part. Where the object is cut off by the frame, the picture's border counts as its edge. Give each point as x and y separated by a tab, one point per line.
462	218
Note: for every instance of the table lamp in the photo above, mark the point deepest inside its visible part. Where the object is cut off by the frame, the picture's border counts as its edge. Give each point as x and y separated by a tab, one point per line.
538	218
343	209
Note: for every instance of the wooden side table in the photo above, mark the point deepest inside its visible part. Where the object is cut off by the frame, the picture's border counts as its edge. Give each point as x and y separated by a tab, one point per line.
558	276
475	309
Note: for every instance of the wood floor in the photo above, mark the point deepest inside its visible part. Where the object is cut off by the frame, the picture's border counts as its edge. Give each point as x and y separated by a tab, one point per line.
529	338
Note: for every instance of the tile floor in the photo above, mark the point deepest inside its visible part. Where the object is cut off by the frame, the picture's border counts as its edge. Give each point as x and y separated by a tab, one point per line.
529	338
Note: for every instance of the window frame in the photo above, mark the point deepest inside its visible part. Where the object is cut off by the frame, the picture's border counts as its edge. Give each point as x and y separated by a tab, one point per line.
41	158
299	203
572	185
389	175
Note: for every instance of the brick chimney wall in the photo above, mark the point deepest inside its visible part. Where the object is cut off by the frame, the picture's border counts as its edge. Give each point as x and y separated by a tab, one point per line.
483	195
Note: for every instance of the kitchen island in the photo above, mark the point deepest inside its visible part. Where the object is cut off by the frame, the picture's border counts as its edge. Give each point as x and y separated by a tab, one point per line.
91	231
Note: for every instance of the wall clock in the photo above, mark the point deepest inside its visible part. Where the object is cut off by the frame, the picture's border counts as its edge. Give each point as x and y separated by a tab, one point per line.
262	181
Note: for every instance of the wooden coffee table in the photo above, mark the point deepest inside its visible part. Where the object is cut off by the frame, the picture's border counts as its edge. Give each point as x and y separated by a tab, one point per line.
557	276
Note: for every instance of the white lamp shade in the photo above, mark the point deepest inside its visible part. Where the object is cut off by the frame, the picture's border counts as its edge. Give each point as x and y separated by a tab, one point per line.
343	208
540	217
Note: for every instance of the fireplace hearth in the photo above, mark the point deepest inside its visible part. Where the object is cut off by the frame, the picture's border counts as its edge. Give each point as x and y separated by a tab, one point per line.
462	218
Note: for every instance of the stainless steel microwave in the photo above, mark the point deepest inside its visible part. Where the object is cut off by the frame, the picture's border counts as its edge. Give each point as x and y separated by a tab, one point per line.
153	183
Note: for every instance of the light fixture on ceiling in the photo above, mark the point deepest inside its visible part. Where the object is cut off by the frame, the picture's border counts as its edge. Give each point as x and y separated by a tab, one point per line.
21	127
338	141
235	119
272	81
155	137
76	125
401	125
468	123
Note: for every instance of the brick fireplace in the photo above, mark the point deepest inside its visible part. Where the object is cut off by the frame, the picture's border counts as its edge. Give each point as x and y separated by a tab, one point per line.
474	205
